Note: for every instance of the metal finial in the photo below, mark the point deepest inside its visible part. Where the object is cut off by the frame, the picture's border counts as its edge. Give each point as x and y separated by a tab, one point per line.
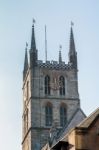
60	47
26	45
72	24
33	22
45	45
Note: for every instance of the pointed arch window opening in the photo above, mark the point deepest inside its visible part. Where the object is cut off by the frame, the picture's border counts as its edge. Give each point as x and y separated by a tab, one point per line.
62	85
63	115
47	85
48	115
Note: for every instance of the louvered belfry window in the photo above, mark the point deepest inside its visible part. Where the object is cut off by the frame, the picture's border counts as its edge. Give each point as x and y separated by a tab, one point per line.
63	115
48	115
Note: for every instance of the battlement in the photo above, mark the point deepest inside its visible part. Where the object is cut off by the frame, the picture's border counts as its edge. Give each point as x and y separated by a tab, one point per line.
54	65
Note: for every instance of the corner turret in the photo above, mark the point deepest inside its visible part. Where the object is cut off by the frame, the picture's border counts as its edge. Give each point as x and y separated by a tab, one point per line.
25	62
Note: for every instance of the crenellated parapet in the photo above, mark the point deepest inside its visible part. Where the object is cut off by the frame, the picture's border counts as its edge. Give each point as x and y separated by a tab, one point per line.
55	65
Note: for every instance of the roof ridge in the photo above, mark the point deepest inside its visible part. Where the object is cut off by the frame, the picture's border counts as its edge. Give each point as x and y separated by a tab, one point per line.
88	117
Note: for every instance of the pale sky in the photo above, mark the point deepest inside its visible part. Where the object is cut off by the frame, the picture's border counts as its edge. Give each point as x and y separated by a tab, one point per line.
15	29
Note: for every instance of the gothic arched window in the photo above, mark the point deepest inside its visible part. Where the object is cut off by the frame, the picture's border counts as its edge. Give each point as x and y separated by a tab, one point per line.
47	85
62	85
48	114
63	115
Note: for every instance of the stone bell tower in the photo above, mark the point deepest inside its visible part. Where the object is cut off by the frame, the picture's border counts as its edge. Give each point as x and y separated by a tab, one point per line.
50	93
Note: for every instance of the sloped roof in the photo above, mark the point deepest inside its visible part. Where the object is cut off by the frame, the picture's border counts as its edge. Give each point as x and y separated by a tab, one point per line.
59	144
76	118
46	147
84	124
89	120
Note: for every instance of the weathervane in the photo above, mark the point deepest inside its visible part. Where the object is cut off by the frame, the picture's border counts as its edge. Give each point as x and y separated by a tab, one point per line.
26	45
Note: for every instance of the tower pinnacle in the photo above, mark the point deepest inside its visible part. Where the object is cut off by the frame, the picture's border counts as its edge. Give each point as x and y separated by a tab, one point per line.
72	51
72	43
33	50
33	44
25	61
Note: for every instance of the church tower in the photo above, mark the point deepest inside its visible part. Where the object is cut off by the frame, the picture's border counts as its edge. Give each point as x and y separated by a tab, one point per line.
50	94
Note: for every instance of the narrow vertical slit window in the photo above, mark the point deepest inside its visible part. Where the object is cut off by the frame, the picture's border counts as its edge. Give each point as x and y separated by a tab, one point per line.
62	85
47	85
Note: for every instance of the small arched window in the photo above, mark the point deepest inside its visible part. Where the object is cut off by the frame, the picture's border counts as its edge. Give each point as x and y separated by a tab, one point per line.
48	114
47	85
63	115
62	85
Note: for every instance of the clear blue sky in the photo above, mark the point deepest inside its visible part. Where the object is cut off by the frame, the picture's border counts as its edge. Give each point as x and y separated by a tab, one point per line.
15	29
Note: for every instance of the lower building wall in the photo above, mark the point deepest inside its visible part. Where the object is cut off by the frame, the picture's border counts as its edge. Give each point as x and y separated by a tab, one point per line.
35	139
26	144
81	142
39	137
77	140
71	140
93	136
85	138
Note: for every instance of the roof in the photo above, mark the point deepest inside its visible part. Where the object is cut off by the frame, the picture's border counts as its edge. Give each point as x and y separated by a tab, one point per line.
89	120
45	147
84	124
75	119
59	144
